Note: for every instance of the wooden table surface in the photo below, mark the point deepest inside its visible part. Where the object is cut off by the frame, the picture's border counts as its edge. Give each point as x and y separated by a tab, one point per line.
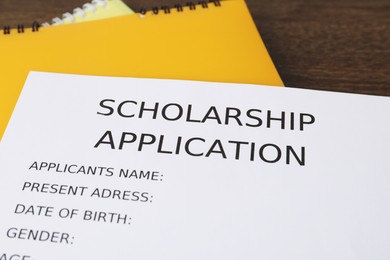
336	45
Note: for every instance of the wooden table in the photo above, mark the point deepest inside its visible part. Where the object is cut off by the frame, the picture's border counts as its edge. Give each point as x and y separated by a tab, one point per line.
336	45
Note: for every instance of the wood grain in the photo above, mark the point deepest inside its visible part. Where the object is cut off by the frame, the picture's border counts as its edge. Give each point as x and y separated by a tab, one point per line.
336	45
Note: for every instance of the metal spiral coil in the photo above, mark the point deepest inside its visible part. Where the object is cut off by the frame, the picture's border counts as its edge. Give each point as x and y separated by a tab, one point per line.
20	28
180	8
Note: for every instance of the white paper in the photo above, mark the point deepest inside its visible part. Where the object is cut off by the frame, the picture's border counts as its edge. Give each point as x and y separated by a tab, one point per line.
334	204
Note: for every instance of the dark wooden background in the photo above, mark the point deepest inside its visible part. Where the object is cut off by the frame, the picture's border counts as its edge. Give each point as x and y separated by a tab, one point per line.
336	45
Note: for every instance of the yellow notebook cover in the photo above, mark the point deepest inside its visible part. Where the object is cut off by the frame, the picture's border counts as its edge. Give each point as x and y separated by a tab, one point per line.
215	42
95	10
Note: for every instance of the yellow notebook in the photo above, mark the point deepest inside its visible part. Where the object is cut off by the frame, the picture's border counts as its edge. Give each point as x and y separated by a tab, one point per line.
96	10
216	42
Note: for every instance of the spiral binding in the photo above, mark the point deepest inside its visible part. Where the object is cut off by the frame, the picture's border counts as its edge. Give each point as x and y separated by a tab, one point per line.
78	12
20	28
96	3
179	7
